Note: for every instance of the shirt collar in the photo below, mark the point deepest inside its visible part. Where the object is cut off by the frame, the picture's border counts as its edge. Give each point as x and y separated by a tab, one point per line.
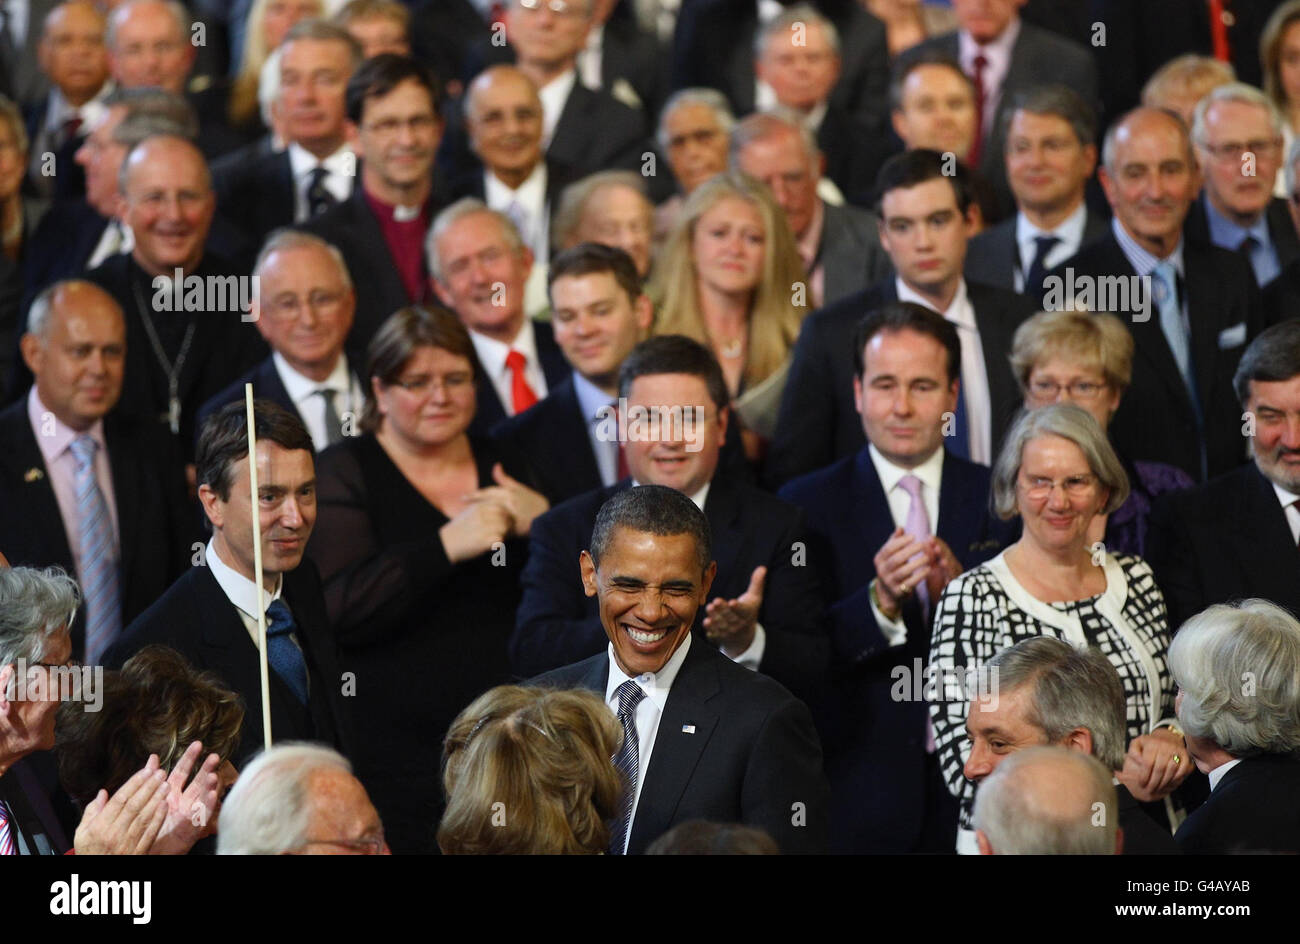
553	95
591	399
238	589
303	162
930	472
959	310
1141	260
699	498
1070	230
1224	232
301	388
999	49
1285	498
812	239
61	437
492	353
1217	773
60	109
655	684
531	193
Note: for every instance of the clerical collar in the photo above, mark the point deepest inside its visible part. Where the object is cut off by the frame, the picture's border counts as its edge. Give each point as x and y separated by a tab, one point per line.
400	214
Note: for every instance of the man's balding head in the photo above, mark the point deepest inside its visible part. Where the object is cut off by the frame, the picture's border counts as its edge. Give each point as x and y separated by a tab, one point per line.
167	201
1150	177
504	116
149	45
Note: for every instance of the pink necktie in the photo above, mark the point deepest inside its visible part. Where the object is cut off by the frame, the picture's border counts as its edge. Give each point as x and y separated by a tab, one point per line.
918	526
6	832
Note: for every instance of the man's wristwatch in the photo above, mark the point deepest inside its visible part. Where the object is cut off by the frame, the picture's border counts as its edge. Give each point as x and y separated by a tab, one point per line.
875	598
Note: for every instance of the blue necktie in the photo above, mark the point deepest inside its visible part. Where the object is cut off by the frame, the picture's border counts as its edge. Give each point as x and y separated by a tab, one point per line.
1164	282
1037	270
282	653
959	442
627	761
98	559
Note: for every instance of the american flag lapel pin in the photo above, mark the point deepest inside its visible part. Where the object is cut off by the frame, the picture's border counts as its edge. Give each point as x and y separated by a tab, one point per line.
34	474
688	729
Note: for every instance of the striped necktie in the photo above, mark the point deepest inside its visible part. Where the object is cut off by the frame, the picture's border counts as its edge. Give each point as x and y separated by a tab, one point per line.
7	846
99	576
627	761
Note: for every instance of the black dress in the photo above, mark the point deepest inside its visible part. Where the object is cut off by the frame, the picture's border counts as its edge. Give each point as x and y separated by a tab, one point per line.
423	636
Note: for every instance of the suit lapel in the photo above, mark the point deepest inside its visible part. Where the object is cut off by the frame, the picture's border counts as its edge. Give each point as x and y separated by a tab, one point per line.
1264	538
1205	320
124	464
269	386
1282	232
554	367
31	483
373	247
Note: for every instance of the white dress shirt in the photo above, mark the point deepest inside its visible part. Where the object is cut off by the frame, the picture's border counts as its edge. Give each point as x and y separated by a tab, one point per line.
492	355
930	472
590	55
998	62
340	167
553	95
656	686
54	441
117	238
532	216
1288	502
241	591
974	375
1217	773
1070	234
305	394
592	401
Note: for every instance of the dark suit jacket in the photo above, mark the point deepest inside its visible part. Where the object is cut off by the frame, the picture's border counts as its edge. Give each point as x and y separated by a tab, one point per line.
638	58
732	747
875	742
195	618
1280	299
854	151
850	252
61	245
1142	834
818	422
1155	420
554	367
714	46
1253	809
552	436
23	80
222	348
1225	540
255	190
34	824
597	132
1039	57
1281	231
993	257
441	33
155	522
558	623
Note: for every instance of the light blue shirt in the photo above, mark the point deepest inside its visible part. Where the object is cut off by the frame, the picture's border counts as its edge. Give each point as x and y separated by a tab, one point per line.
591	401
1226	234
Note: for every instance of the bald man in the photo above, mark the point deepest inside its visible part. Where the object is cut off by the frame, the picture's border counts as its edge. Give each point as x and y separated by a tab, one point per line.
1191	319
177	355
83	487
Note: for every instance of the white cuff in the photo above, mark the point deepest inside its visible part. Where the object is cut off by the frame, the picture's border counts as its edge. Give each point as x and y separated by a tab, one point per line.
752	656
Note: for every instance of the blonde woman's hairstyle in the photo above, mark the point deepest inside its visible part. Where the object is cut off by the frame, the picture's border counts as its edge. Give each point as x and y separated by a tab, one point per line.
528	771
774	318
1189	73
1098	342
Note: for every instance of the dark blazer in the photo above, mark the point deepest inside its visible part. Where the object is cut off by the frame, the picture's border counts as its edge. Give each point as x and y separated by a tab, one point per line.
1280	299
850	252
818	422
1039	57
195	618
714	46
732	747
638	58
1252	809
1142	834
352	227
255	190
222	348
441	33
1225	540
34	823
558	623
61	245
993	257
424	636
595	132
1156	420
554	367
23	80
875	742
155	522
854	150
552	436
1281	231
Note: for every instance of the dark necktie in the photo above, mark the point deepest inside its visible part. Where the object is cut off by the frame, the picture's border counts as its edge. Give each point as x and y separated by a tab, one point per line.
319	199
333	425
627	761
282	652
68	131
1037	270
977	146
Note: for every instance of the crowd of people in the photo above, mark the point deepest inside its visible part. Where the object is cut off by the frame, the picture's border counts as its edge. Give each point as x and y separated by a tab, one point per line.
681	426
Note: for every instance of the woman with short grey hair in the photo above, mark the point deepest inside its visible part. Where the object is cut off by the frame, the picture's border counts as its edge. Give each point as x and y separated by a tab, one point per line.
1238	674
1057	472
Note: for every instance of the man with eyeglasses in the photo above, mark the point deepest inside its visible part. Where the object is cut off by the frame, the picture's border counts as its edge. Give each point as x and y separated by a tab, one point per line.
765	609
889	527
303	308
1238	136
394	123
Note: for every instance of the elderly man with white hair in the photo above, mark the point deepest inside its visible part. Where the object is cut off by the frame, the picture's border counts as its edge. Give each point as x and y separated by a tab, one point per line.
1237	132
1238	673
299	799
694	128
1048	801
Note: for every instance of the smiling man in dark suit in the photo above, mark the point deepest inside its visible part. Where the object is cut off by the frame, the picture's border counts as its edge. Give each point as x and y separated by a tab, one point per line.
599	313
925	212
889	527
766	610
1192	323
1237	536
81	485
209	614
703	737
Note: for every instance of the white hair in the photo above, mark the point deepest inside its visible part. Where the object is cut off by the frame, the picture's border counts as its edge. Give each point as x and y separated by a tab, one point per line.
268	812
34	605
466	206
119	15
1240	93
710	98
285	238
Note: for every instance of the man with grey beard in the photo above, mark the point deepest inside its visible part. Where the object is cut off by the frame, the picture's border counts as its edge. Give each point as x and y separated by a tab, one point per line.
1237	536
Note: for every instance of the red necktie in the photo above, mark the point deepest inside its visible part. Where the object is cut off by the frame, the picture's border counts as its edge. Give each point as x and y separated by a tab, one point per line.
522	394
1220	19
978	81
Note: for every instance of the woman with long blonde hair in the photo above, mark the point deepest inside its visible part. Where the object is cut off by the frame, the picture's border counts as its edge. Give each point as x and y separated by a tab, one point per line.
731	278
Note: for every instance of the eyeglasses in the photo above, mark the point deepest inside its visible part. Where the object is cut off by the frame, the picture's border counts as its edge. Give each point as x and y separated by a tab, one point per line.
425	383
1076	486
374	845
1232	150
320	301
558	7
1078	389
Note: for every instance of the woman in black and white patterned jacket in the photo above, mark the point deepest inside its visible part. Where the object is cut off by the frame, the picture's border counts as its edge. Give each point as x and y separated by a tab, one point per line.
1058	471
